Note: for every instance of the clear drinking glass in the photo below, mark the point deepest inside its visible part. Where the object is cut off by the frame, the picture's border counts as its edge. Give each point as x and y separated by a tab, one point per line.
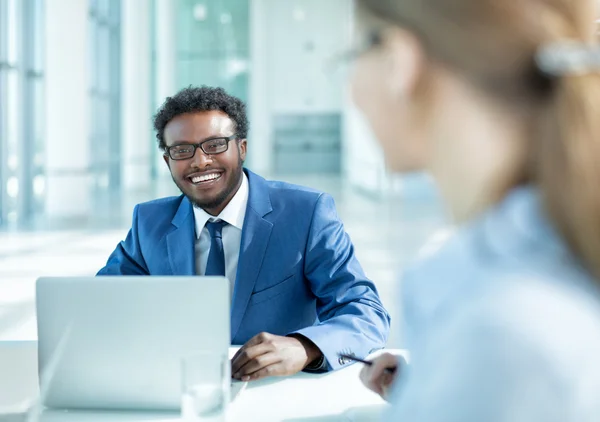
205	382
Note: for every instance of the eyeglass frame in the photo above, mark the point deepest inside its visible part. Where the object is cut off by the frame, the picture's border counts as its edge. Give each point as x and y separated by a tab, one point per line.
199	145
373	39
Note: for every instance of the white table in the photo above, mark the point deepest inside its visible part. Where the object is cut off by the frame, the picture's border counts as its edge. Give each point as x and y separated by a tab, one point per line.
336	396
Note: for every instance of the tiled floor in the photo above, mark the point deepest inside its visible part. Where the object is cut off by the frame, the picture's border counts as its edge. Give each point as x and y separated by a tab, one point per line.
386	235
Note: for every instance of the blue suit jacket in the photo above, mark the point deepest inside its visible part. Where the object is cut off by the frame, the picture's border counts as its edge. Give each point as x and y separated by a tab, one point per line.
297	272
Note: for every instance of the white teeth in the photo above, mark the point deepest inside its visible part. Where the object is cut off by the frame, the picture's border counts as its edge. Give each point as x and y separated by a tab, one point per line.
205	178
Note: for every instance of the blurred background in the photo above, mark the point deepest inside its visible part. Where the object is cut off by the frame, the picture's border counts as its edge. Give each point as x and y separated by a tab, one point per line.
81	79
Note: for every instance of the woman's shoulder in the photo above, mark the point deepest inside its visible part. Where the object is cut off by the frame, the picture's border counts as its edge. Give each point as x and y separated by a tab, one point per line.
511	241
525	343
538	307
526	328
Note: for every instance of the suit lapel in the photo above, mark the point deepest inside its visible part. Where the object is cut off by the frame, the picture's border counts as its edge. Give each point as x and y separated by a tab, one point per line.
255	238
181	241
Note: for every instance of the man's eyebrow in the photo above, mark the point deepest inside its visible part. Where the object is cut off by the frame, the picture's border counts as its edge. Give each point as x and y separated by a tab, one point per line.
182	141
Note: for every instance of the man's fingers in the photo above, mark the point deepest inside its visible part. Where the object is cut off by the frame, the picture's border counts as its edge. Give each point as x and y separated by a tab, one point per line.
257	339
247	354
252	342
267	371
256	364
267	354
260	338
240	350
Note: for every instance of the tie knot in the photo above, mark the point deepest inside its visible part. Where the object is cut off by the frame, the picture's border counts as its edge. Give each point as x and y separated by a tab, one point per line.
215	227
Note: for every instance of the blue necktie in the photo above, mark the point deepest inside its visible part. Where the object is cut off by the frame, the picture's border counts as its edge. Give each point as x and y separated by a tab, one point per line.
216	257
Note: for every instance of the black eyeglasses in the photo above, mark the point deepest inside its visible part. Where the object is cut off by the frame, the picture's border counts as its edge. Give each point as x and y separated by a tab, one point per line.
209	147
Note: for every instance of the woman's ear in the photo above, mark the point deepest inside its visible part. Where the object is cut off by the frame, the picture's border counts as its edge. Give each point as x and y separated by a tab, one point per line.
405	62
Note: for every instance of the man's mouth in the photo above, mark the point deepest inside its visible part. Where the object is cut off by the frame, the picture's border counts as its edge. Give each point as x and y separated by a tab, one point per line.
205	178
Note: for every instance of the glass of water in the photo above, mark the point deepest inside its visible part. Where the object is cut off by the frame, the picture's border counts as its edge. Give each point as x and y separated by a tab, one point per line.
205	381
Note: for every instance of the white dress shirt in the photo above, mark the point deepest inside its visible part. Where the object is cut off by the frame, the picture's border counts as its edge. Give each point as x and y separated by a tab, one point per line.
233	214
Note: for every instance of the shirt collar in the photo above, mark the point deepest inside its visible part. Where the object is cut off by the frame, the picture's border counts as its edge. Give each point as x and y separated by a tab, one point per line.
233	213
520	224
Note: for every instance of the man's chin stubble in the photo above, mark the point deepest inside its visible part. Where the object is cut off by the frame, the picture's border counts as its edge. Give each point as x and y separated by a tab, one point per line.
218	201
208	204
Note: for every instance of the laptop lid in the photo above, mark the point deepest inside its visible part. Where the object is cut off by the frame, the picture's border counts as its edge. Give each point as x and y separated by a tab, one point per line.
117	342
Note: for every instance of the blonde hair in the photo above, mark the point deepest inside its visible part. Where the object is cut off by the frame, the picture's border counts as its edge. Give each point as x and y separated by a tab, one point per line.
494	44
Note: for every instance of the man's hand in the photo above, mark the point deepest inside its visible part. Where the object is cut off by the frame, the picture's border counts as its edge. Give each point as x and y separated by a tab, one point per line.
270	355
376	378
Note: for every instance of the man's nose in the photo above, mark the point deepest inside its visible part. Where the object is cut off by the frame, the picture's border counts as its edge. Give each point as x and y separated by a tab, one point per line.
201	159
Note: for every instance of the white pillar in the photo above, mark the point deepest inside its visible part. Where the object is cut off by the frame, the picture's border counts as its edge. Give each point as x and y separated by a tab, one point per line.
362	151
166	57
290	45
67	117
260	145
136	127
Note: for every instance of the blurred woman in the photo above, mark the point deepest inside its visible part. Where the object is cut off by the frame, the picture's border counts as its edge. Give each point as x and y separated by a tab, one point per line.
499	100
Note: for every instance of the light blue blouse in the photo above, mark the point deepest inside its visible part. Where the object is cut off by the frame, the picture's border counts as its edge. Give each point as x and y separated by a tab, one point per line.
502	323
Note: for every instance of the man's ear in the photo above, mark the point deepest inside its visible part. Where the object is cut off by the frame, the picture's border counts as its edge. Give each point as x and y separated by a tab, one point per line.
242	144
166	158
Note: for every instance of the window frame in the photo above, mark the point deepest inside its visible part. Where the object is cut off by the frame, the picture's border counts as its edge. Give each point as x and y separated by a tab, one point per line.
23	77
104	63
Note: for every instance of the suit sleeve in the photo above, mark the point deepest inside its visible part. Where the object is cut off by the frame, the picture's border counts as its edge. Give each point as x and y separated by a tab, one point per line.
127	258
352	317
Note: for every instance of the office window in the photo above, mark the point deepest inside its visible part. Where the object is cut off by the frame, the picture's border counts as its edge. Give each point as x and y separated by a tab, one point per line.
7	70
105	76
213	44
21	110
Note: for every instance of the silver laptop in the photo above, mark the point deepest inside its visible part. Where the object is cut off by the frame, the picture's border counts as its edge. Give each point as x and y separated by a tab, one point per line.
117	342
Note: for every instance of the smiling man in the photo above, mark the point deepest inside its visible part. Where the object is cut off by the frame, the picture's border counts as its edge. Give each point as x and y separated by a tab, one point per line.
299	294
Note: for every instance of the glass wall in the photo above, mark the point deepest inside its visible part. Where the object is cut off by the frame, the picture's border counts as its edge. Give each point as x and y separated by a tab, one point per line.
21	110
270	53
3	107
213	46
105	80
